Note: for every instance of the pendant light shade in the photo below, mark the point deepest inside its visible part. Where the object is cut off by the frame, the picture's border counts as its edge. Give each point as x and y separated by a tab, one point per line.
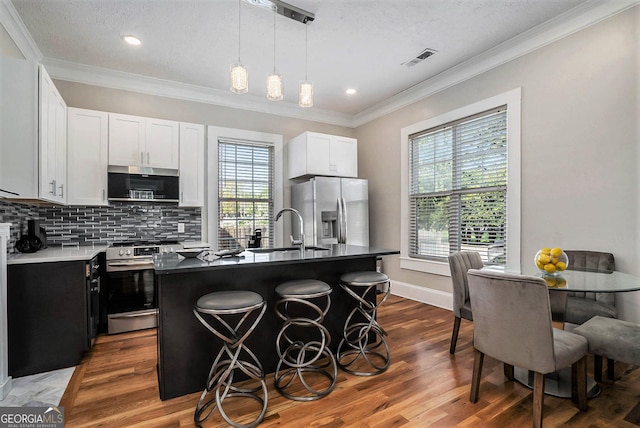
305	90
305	94
238	74
275	90
239	79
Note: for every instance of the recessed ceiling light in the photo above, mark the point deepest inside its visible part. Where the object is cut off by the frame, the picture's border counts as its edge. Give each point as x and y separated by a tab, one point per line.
350	91
132	40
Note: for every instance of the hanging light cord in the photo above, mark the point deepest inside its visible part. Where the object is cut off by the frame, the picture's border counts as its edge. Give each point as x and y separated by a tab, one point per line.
306	50
274	38
239	26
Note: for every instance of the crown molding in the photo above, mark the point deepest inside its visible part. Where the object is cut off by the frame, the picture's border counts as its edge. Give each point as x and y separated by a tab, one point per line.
12	22
80	73
574	20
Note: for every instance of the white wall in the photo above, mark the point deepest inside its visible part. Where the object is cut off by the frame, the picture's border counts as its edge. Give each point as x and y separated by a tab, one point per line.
579	148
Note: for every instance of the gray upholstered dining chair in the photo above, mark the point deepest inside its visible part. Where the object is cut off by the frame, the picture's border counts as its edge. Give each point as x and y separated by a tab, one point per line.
459	264
512	323
581	306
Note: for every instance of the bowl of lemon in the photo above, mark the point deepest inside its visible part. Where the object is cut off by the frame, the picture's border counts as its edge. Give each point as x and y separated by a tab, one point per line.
551	261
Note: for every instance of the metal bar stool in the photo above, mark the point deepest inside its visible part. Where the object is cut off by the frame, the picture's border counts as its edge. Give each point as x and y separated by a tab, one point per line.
358	351
226	308
303	342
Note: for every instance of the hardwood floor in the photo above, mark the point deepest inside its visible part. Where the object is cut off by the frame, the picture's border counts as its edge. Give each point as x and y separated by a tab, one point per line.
116	386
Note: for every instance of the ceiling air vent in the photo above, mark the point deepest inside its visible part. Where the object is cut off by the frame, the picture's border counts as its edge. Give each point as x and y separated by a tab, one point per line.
418	59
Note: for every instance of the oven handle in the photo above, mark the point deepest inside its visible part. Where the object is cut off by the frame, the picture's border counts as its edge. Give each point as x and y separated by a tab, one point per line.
134	315
123	267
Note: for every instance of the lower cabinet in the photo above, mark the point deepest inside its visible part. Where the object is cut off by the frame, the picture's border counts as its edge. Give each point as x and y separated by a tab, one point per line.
47	316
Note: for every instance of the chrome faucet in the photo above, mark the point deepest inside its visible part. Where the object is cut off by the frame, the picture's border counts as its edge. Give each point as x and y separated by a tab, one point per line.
298	242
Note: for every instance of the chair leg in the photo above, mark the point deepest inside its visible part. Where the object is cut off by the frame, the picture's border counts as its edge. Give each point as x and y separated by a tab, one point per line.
454	335
538	399
597	368
478	359
508	371
611	369
579	383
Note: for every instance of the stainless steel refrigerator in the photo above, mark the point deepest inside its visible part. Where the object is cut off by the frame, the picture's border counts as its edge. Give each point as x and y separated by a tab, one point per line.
334	210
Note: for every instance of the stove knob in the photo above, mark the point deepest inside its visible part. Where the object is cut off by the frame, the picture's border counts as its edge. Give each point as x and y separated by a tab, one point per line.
128	253
171	250
121	253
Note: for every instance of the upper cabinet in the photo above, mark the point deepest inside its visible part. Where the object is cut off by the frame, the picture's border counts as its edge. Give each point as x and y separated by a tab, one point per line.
87	157
53	141
142	141
312	153
33	127
191	165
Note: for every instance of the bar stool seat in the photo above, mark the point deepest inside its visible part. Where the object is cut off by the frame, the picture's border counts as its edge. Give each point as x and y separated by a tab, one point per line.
231	316
363	350
303	342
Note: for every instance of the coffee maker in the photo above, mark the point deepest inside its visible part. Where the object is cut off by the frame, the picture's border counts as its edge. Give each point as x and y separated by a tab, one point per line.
34	240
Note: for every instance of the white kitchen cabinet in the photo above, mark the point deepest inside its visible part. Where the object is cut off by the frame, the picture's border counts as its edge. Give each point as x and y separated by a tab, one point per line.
87	156
53	141
142	141
191	165
18	128
313	153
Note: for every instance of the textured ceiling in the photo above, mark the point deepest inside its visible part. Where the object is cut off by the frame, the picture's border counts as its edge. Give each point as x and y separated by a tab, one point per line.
351	43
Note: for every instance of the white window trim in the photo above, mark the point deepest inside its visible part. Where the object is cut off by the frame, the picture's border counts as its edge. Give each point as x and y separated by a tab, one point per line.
214	134
512	99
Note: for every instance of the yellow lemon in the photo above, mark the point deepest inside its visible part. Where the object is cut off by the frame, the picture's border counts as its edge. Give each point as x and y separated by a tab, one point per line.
561	266
545	250
544	259
561	282
549	268
540	265
553	260
556	252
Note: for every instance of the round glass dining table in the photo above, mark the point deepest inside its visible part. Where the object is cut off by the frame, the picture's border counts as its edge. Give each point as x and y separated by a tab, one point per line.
585	280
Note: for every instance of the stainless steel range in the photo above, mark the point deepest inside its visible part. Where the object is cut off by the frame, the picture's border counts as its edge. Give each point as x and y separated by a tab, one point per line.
131	291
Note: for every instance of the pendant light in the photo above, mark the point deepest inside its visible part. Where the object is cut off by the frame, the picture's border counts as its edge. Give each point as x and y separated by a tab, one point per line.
275	91
305	90
238	75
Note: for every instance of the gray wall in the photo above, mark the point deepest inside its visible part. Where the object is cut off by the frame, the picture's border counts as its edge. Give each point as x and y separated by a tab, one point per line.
579	146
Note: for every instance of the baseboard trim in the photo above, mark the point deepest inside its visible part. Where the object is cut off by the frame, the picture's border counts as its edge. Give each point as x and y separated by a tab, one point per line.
440	299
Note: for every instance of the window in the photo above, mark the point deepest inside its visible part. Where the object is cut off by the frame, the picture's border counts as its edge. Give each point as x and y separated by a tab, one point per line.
245	193
460	170
244	189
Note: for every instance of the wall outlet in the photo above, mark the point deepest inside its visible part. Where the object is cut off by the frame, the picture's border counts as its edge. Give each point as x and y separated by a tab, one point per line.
180	227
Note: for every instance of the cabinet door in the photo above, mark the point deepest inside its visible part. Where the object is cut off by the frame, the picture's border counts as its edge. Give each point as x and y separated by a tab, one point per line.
318	154
126	140
161	149
53	125
191	165
344	157
87	153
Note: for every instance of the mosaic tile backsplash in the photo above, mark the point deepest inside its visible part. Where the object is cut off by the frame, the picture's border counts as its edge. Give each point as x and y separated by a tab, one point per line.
117	222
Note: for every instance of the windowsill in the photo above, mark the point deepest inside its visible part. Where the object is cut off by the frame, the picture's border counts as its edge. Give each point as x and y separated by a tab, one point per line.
426	266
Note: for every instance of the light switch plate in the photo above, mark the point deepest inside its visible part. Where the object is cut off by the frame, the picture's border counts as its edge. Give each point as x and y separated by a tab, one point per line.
180	227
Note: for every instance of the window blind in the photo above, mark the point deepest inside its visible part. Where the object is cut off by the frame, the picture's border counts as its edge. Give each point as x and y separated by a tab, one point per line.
457	188
245	192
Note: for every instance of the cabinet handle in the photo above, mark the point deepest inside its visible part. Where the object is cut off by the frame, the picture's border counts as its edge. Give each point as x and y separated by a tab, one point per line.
141	158
53	187
181	196
61	187
103	195
148	159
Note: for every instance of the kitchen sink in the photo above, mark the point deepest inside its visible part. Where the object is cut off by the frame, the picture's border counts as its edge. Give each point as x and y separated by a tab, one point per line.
284	249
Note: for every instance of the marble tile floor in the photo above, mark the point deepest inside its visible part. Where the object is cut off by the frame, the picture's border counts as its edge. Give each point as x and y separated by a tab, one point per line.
38	390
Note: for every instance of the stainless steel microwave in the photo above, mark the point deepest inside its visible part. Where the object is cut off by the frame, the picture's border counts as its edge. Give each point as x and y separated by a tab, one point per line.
141	184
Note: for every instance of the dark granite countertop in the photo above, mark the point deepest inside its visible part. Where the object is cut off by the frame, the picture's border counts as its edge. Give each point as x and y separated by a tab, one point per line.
173	263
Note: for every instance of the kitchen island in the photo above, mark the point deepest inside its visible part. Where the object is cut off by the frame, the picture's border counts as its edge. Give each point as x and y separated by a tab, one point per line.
186	349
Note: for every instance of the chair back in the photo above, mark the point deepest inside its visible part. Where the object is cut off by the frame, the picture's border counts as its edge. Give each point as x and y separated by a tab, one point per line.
459	264
592	260
512	319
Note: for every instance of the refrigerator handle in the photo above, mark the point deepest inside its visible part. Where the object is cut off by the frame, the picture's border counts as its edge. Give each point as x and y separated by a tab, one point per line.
344	221
339	203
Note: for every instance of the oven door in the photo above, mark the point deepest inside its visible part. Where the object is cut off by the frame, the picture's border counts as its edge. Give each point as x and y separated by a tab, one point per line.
131	300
